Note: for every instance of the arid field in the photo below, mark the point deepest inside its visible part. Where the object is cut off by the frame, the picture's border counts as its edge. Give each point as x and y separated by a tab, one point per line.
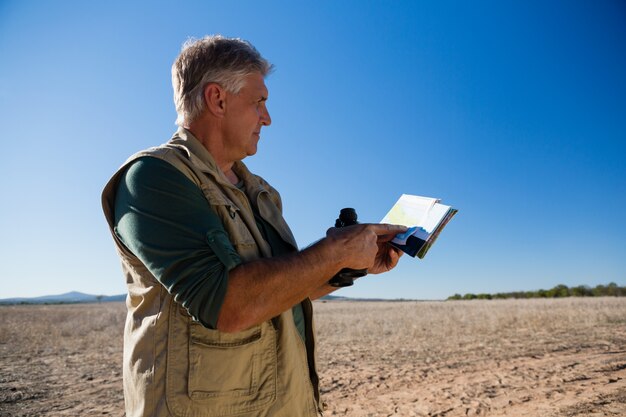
557	357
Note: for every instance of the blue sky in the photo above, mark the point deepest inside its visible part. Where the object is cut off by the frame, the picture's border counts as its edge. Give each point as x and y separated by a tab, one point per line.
513	113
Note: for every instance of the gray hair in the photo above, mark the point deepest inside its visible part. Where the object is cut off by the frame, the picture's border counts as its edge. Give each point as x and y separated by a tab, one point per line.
212	59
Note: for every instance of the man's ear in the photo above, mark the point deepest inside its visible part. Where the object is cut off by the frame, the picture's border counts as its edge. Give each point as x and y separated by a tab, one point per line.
215	99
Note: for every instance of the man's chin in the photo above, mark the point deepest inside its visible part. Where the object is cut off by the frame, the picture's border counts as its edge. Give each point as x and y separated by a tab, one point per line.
250	152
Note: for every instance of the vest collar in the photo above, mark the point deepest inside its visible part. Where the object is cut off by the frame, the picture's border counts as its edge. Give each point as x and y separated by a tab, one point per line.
195	151
199	156
256	193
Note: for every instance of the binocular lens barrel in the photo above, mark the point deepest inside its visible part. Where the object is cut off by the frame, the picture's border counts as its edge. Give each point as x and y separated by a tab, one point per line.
345	277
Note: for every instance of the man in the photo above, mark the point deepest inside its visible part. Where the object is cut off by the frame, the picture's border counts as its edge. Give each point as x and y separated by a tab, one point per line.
219	313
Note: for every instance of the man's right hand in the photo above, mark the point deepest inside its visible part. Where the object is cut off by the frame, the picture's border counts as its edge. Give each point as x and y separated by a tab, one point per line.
357	246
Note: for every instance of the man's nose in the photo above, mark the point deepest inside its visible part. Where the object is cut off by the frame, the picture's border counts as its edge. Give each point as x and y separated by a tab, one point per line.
266	120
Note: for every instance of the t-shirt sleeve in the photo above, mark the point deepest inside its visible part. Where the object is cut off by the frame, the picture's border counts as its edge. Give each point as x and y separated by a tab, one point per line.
163	218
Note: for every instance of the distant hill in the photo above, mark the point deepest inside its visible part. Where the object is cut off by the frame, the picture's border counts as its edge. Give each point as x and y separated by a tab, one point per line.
75	297
332	298
339	298
72	297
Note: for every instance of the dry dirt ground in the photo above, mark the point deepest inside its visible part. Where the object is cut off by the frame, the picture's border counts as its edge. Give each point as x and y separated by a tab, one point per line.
564	357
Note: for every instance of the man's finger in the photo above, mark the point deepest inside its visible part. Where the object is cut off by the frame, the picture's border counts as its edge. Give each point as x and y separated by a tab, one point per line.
386	238
382	229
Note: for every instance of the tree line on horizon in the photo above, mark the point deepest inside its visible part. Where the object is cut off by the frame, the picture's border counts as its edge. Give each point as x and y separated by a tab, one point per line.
560	291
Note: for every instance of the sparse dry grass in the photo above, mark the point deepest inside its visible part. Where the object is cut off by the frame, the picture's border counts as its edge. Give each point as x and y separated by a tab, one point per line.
482	357
560	357
61	360
432	331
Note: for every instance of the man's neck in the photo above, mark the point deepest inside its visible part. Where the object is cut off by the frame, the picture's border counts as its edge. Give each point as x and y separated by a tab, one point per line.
211	140
232	176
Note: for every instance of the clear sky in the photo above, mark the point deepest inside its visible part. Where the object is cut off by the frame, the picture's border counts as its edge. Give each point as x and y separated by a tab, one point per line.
513	112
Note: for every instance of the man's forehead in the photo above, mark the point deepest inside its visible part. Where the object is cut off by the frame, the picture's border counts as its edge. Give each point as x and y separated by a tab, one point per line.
255	83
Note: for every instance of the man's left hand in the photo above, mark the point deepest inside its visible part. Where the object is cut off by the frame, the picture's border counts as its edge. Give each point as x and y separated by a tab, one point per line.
387	257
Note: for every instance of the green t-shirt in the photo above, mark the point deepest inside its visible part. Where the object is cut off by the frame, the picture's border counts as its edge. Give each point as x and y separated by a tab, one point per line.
163	218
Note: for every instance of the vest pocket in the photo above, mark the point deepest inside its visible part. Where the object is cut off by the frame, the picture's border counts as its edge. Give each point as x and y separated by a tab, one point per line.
231	360
229	373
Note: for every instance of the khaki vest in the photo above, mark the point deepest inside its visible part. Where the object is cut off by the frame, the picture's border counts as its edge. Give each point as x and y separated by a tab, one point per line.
173	366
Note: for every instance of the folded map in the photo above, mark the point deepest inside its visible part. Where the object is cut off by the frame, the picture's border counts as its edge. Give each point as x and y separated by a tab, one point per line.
424	216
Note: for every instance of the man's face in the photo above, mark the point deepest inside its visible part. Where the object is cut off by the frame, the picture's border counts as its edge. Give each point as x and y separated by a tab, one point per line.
246	113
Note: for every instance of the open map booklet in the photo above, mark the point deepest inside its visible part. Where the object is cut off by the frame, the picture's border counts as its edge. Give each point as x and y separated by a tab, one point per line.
424	216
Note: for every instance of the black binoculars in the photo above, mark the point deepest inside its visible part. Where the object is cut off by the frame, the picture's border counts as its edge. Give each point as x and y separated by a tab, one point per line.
345	277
